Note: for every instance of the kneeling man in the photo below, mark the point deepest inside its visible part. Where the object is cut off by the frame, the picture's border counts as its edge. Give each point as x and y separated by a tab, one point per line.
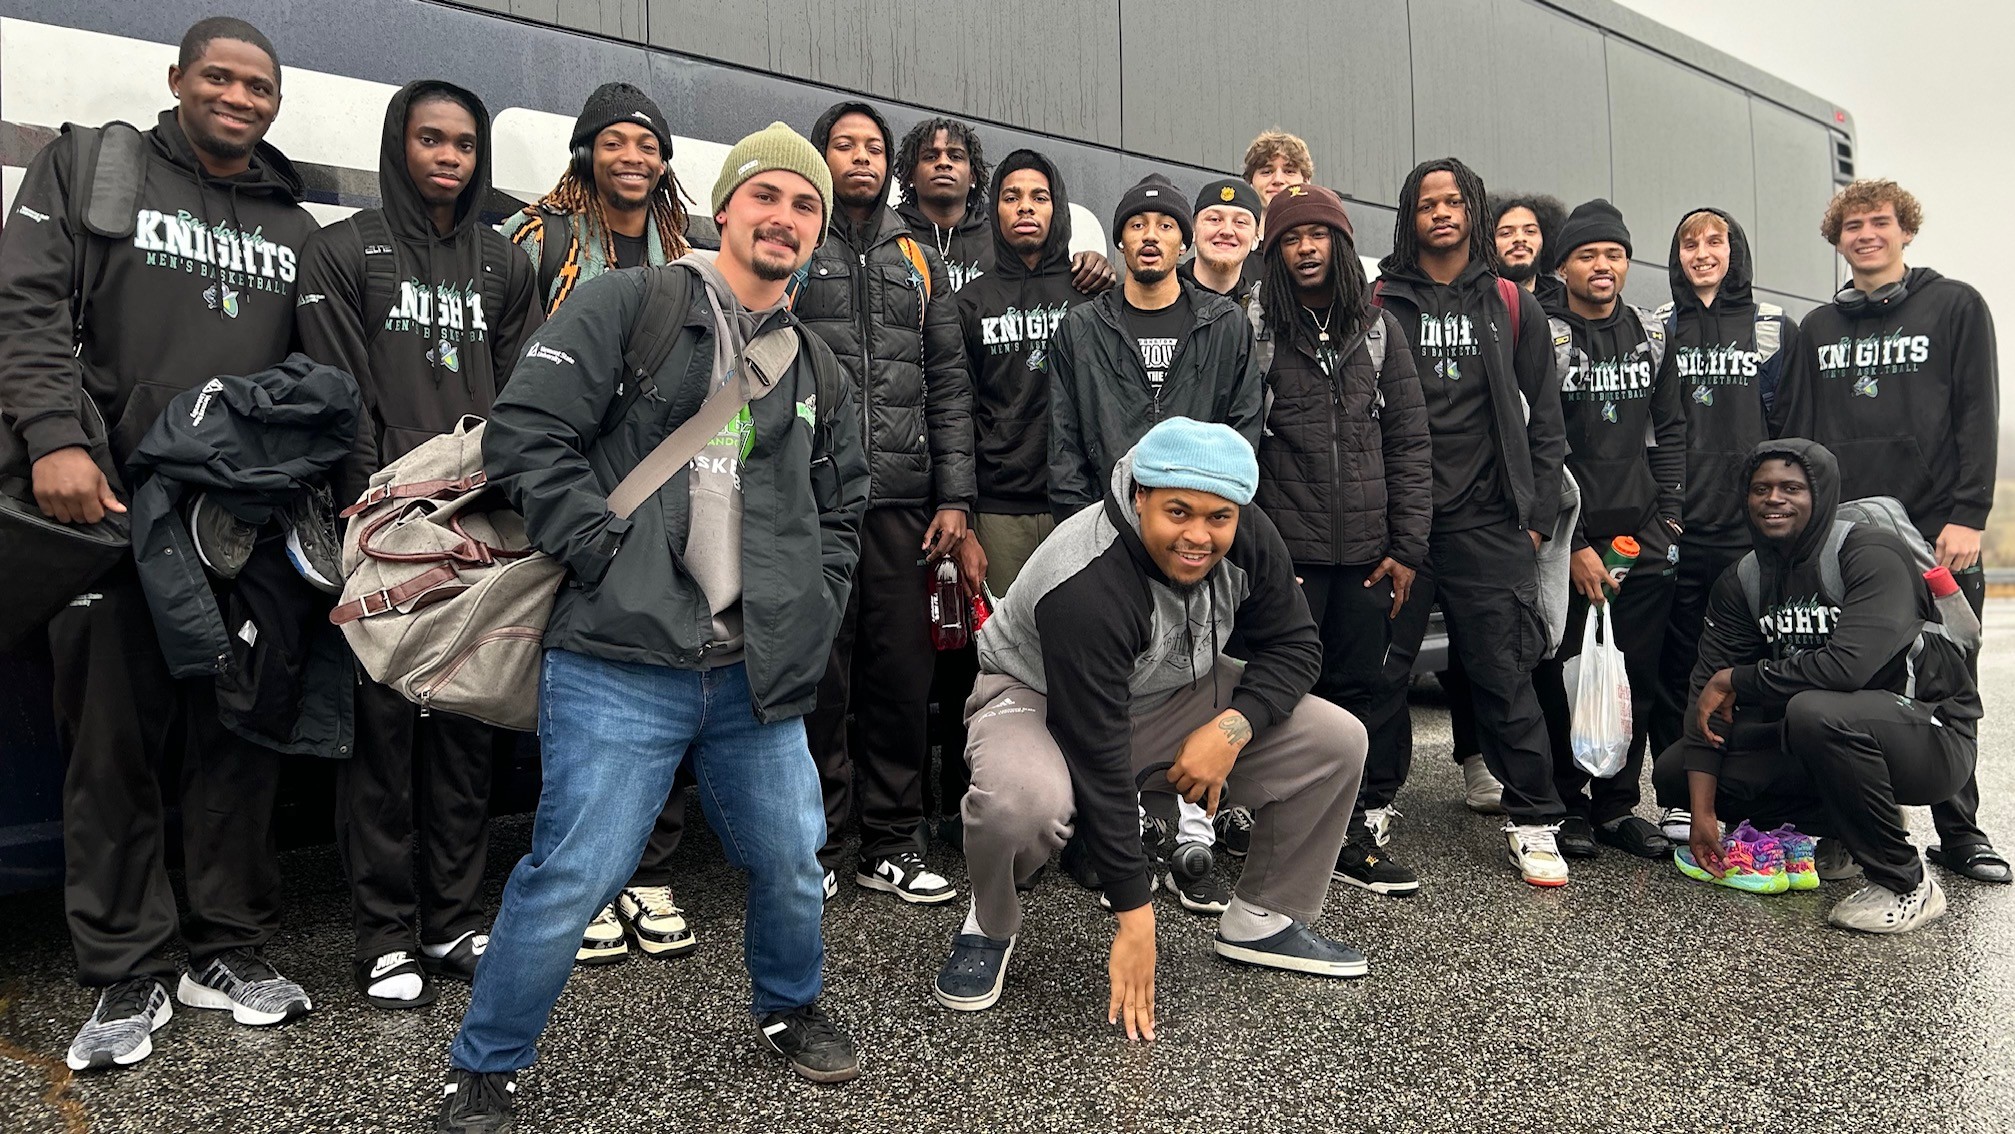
1103	674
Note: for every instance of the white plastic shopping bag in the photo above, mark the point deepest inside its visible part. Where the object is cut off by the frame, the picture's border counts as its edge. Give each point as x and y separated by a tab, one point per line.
1598	699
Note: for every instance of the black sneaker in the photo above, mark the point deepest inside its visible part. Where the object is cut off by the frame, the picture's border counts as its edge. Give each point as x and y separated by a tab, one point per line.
475	1103
121	1030
223	541
1206	895
459	962
1295	949
314	544
905	875
812	1043
1576	838
1635	836
1363	866
1234	831
242	983
972	976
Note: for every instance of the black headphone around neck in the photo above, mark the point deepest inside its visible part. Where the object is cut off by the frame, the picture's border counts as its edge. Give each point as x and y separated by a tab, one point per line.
583	167
1857	304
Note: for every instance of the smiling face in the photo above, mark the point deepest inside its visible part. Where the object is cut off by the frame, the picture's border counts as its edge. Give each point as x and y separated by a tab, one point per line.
771	224
1595	272
1441	217
1277	174
628	165
441	149
1872	241
858	156
1150	242
1025	210
1224	235
1185	530
1703	252
1780	499
226	100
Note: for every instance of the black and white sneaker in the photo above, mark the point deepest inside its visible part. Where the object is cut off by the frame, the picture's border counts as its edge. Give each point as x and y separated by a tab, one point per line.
1295	949
394	981
476	1103
972	976
905	875
1234	831
1206	895
1367	869
459	962
242	983
314	543
814	1046
223	541
121	1029
656	921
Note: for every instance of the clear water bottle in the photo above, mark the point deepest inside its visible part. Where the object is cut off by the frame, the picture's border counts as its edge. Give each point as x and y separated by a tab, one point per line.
951	626
1961	624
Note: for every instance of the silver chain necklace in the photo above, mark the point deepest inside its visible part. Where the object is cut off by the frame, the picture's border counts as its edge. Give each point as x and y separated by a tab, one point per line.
1322	322
944	241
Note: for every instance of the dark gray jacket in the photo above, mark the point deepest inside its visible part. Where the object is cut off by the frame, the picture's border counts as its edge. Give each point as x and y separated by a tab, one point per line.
1101	402
864	297
561	438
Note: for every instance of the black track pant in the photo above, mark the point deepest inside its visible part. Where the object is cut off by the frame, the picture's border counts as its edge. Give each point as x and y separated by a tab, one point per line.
1699	568
1958	819
880	675
1487	580
411	812
1367	661
952	683
1638	613
1844	765
122	722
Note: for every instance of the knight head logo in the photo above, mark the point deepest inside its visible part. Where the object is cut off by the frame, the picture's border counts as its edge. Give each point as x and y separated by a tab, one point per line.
1704	395
1037	360
446	356
221	297
1609	412
1865	386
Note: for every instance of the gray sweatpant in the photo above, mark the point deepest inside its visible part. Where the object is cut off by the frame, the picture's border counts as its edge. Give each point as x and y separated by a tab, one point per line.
1299	778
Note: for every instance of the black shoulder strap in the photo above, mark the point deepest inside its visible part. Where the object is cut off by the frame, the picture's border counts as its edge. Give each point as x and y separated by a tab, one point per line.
668	290
381	269
556	232
498	253
108	165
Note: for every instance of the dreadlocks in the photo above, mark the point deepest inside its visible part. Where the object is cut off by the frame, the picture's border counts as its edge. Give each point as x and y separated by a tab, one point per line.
957	134
1347	288
1406	239
580	199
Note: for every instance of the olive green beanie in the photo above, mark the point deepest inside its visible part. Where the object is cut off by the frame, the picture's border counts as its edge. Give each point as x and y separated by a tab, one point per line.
775	146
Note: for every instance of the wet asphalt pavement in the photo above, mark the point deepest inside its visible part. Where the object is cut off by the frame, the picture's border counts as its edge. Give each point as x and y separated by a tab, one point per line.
1632	1000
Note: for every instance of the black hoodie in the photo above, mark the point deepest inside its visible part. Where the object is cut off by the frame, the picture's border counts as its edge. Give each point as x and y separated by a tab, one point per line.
204	287
1799	641
439	354
1908	396
967	247
1626	431
1728	357
1007	316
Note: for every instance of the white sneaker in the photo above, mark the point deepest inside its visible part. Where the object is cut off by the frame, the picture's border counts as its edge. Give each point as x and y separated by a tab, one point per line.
1876	909
603	942
1832	862
1480	790
1676	824
1533	850
904	875
1380	821
658	925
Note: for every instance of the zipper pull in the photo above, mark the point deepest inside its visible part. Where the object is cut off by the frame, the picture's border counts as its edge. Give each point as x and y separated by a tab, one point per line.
426	706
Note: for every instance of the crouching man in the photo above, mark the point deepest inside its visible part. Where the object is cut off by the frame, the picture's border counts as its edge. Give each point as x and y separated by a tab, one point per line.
1102	673
1821	695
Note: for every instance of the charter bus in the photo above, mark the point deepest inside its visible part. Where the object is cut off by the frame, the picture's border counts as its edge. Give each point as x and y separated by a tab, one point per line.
1577	98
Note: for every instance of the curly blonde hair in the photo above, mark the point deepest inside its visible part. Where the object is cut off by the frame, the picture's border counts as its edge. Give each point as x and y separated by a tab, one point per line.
1278	143
1867	195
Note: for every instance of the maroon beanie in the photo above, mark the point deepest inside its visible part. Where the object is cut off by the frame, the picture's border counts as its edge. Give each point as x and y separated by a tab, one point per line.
1297	205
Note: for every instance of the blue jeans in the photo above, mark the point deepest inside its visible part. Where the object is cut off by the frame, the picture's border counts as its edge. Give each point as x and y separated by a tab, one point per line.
612	735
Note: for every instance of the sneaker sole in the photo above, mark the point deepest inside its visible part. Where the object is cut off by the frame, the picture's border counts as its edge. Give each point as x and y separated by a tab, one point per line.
812	1073
1260	958
869	882
602	955
1382	889
197	995
664	946
985	999
1485	807
145	1049
1543	883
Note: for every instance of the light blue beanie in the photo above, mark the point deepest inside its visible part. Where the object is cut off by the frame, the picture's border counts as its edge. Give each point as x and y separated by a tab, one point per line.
1181	453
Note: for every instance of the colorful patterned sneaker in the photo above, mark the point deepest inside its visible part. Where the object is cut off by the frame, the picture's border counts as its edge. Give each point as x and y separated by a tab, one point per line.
243	984
1801	856
1755	862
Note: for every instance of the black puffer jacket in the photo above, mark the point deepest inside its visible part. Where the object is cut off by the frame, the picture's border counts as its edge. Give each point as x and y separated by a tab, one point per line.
1345	467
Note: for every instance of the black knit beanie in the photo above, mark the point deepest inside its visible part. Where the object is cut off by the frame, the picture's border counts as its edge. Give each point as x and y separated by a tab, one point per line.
1592	222
620	102
1233	191
1154	194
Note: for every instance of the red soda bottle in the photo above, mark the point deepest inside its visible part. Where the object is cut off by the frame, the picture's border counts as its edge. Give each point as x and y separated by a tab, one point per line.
949	626
1961	625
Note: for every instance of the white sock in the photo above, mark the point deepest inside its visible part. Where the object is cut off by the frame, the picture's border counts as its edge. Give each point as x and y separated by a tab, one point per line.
405	986
439	951
972	924
1243	921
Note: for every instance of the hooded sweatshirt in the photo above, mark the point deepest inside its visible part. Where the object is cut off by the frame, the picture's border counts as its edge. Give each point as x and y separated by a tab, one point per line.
1798	641
1095	626
1007	317
1727	356
204	287
438	355
967	248
1626	432
1907	396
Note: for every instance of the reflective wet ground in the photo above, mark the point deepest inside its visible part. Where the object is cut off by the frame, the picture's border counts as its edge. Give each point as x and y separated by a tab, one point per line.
1631	1000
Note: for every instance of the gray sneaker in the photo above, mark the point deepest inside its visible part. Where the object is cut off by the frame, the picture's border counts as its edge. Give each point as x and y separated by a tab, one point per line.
314	544
1877	909
242	983
223	541
121	1030
1296	949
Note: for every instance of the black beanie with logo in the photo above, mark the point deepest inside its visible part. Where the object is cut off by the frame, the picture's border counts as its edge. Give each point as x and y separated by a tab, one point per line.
620	102
1155	194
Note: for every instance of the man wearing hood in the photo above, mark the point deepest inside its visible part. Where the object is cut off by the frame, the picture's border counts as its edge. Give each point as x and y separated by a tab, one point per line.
1829	712
1626	449
1728	350
941	174
1899	375
882	302
1493	413
411	804
203	286
1155	347
1103	677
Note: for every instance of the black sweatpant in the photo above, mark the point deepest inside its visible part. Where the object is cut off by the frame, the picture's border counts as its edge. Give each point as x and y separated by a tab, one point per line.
1487	580
1637	613
411	823
1367	660
119	719
880	677
1957	819
1699	567
1844	765
1461	710
951	683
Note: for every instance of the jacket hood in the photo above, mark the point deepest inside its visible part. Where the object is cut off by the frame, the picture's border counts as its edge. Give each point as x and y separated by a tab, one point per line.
405	212
1780	557
1056	249
270	171
822	130
1735	287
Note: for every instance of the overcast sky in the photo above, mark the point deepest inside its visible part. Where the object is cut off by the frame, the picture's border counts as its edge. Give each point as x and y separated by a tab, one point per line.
1933	98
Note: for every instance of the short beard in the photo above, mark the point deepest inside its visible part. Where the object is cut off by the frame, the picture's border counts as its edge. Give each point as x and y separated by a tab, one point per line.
859	198
773	272
1023	245
952	199
1224	264
1149	276
1520	273
219	148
